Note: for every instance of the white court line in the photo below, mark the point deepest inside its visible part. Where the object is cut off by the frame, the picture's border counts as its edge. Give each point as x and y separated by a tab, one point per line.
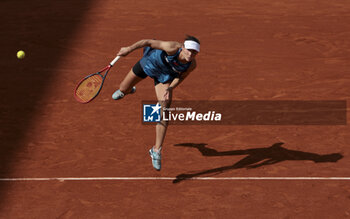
169	178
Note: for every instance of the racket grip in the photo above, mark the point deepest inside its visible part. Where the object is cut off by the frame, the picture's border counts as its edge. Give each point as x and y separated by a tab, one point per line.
114	60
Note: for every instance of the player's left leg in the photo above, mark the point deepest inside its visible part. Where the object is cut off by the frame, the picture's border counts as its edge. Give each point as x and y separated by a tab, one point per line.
161	126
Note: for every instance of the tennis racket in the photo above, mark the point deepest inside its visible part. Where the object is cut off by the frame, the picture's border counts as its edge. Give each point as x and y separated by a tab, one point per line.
90	86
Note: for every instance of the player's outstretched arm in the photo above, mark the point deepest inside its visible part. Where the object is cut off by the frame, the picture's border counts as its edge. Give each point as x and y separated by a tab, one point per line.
169	47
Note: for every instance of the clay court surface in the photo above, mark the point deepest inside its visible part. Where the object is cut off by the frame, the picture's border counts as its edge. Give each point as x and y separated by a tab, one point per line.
250	50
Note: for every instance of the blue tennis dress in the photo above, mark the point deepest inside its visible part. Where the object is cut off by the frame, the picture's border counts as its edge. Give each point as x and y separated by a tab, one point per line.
160	66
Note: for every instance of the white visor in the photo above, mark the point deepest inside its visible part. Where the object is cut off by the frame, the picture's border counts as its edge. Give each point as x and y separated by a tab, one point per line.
190	44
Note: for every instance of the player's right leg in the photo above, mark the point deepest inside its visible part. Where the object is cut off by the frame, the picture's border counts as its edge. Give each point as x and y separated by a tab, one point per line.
135	75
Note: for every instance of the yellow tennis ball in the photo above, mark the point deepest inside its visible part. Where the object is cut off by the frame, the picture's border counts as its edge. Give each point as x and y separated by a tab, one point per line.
20	54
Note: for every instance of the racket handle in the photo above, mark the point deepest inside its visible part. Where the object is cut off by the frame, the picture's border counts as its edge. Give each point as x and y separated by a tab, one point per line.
114	60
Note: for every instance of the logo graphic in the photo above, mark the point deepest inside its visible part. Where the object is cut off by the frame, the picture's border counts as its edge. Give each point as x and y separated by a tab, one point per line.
151	112
245	112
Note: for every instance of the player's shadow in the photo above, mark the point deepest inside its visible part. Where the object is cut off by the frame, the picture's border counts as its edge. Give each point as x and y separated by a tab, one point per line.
256	157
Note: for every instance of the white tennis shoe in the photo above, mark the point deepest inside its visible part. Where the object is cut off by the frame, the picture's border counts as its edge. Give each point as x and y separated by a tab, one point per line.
156	158
119	94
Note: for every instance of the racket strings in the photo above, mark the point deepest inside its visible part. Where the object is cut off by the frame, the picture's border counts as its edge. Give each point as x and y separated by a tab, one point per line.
89	88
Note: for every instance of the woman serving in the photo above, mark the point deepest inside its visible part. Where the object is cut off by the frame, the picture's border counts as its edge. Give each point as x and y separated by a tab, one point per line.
168	63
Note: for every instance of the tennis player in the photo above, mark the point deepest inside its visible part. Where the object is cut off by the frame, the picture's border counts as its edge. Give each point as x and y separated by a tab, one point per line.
168	63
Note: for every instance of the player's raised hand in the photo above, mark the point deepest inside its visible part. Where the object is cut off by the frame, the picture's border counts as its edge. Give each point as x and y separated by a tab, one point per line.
124	51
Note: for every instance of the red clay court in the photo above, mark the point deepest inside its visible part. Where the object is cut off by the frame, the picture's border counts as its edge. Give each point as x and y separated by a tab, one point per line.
91	160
